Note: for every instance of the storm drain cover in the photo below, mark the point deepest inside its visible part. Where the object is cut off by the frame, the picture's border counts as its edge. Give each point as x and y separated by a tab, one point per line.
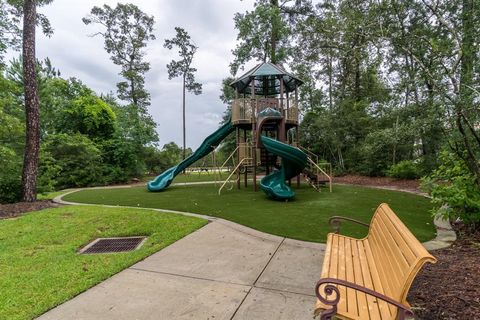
111	245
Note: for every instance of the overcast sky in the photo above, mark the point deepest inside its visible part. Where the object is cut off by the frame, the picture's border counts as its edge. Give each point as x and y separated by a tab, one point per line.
210	24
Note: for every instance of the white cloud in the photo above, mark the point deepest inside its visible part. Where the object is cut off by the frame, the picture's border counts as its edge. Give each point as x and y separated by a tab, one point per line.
210	24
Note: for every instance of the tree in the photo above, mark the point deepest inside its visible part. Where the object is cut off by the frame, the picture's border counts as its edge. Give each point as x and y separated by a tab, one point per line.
266	33
32	103
9	31
127	31
439	41
182	68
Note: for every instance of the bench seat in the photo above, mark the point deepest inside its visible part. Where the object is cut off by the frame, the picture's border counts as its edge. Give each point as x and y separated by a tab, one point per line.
386	261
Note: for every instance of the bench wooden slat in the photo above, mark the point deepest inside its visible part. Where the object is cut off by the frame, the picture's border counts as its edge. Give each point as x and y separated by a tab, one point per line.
341	272
400	239
386	261
392	270
366	304
352	306
372	269
397	233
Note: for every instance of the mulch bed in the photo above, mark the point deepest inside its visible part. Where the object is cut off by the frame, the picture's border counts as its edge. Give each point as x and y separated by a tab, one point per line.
450	288
410	185
11	210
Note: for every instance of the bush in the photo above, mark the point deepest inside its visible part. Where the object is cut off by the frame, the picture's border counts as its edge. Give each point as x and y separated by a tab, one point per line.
10	176
406	169
71	161
455	193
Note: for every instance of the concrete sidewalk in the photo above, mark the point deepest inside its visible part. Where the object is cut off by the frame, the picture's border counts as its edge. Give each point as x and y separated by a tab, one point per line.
222	271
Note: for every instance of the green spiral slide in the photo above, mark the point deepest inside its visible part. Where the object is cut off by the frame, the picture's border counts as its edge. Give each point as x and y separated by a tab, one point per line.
293	162
163	180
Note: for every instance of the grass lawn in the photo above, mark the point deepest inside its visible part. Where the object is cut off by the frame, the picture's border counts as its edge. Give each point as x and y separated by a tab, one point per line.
51	195
305	218
196	177
39	264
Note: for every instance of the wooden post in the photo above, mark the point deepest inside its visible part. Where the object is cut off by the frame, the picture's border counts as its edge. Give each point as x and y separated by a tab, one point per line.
237	133
254	134
297	127
246	171
282	134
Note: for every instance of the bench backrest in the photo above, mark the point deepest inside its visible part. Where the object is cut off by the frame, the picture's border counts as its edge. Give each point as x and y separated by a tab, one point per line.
397	254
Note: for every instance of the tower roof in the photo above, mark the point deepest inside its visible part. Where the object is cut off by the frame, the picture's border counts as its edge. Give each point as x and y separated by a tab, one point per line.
267	78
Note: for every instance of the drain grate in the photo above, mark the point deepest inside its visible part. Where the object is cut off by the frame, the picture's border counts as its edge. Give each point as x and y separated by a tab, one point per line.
111	245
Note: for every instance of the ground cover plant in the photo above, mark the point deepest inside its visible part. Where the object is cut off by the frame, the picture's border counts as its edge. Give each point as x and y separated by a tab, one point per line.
38	252
305	218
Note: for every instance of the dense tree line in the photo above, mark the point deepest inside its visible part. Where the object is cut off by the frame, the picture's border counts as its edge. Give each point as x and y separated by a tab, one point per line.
391	87
77	137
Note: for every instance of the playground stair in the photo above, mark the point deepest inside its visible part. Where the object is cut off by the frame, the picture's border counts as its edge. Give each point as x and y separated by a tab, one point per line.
314	174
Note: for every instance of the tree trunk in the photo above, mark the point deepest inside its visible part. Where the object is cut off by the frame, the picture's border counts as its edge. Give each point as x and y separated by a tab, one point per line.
184	128
273	37
32	145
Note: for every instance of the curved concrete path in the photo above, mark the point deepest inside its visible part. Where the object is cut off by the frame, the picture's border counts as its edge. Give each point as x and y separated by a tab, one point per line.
221	271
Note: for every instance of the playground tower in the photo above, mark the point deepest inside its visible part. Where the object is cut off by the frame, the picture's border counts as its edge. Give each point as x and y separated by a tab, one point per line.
264	117
266	103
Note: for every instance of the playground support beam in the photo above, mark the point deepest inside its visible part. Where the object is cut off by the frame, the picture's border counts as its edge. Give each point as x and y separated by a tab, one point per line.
246	146
237	134
298	127
254	134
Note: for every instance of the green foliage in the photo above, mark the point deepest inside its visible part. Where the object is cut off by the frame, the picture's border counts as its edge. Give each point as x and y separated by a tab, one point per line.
406	169
266	33
71	160
260	32
88	115
455	193
12	137
10	175
9	31
127	31
182	67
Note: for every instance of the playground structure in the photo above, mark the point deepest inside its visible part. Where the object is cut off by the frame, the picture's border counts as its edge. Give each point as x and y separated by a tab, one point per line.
265	119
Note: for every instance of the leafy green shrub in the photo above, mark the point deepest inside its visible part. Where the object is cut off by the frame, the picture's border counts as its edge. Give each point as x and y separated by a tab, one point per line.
88	115
10	175
71	161
48	171
406	169
455	193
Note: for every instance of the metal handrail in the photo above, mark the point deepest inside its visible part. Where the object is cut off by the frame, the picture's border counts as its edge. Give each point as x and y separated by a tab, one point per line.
308	151
231	174
322	171
230	156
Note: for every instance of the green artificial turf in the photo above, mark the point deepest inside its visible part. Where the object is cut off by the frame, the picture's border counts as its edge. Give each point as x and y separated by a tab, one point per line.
305	218
197	177
39	263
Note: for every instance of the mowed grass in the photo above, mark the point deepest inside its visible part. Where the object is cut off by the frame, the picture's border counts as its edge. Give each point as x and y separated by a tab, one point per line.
39	263
305	218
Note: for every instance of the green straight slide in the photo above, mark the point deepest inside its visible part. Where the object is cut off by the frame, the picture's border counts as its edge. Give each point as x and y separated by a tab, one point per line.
208	145
293	162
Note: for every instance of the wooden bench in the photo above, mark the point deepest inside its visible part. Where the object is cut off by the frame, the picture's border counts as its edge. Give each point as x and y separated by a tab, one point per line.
369	278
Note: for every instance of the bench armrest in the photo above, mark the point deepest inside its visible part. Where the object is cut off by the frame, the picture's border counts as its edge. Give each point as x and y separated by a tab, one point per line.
336	221
403	311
